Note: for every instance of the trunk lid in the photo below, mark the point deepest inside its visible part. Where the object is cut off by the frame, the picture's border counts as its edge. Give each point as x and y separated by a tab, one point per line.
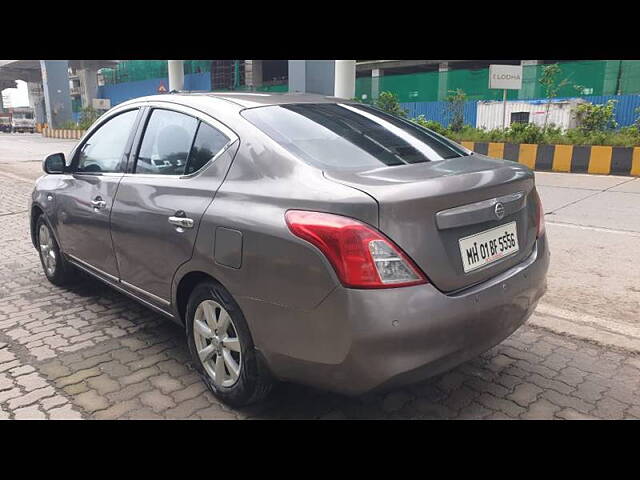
426	208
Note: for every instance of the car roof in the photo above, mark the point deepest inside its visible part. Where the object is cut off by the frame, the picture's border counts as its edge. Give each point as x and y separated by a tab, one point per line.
246	99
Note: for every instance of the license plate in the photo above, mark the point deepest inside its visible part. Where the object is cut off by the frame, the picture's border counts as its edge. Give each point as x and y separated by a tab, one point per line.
489	246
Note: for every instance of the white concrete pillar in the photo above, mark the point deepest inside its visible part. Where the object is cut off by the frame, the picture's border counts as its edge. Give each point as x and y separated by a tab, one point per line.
335	78
376	73
36	101
345	79
253	73
443	80
297	76
176	75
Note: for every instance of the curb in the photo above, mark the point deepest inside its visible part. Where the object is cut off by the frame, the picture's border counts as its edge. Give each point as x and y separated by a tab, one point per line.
596	159
62	133
602	331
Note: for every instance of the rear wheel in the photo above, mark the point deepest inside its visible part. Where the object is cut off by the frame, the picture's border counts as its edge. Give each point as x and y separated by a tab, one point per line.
222	348
56	268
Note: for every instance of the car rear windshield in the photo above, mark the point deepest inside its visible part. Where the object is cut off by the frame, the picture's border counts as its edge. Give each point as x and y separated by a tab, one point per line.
350	136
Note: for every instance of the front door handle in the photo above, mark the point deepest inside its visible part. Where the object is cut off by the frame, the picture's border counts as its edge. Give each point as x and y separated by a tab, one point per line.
97	203
181	222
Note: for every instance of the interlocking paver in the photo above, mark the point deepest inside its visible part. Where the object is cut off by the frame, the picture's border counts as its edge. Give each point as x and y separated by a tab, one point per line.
571	414
525	394
567	401
29	413
188	407
132	390
31	381
610	409
474	411
118	409
157	401
103	384
139	375
541	410
192	391
91	401
64	413
31	397
165	383
77	376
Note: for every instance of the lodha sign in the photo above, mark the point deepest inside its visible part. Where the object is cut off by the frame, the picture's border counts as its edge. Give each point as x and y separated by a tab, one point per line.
505	77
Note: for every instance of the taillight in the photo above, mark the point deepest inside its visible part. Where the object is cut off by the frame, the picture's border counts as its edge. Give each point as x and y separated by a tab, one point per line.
361	256
540	212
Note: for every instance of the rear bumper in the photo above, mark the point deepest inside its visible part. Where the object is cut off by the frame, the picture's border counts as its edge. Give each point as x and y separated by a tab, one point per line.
375	339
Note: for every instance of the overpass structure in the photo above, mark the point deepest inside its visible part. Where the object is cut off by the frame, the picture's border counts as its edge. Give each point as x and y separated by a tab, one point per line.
48	84
51	87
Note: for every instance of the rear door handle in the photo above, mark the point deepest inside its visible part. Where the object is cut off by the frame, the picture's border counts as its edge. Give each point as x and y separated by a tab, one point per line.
181	222
97	203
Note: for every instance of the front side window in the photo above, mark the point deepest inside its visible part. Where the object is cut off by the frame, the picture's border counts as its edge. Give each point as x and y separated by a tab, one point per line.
166	143
350	136
103	151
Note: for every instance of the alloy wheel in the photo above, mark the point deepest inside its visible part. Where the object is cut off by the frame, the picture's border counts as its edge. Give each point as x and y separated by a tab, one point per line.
217	343
47	251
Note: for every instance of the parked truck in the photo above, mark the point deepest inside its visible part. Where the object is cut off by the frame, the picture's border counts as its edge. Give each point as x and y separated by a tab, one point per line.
5	122
23	120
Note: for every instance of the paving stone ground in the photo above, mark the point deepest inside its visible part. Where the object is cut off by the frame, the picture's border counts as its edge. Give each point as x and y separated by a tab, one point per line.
90	352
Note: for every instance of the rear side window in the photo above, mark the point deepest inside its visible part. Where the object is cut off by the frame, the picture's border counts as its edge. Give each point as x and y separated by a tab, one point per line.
166	143
350	136
207	144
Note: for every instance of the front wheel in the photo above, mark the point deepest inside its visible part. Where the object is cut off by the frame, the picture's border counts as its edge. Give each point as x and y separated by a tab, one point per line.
222	348
56	268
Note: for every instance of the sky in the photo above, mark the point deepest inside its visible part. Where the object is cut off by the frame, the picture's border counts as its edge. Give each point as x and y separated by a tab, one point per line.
19	96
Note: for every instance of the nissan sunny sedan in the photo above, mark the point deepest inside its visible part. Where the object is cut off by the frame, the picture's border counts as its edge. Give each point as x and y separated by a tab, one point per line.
297	237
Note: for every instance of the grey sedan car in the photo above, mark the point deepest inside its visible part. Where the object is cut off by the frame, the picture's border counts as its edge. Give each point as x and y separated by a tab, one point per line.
297	237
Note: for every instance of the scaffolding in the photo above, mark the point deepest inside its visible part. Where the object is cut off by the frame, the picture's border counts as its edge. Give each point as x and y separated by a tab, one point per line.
584	78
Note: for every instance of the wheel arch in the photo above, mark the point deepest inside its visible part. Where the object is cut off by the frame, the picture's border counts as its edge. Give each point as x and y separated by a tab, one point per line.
185	286
36	211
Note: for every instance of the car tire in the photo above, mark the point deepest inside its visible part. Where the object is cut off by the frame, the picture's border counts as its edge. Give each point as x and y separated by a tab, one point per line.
207	305
56	267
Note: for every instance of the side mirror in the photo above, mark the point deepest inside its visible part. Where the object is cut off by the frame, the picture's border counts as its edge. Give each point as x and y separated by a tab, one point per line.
54	163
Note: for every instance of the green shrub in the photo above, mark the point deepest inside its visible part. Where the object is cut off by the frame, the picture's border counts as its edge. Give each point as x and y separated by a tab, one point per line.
69	125
530	133
596	118
524	133
431	125
88	115
388	102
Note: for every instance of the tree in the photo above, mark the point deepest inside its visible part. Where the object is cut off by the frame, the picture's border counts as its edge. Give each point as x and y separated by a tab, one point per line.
552	86
455	108
388	102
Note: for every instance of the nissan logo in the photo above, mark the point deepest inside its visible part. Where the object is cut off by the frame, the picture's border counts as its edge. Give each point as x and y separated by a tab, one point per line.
499	210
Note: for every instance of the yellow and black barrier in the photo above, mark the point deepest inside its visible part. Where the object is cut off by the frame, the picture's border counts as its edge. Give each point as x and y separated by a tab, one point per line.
62	133
597	159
